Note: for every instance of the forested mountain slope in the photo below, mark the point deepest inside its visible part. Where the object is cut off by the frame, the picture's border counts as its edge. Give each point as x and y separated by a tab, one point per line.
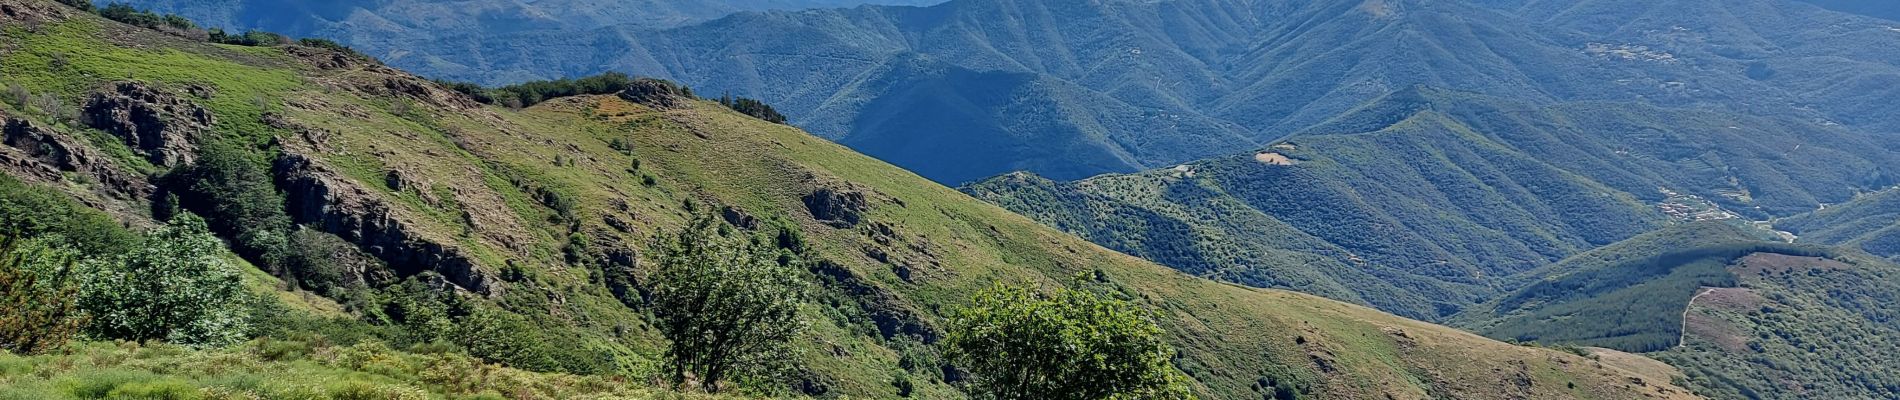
1742	317
520	236
1870	222
1440	195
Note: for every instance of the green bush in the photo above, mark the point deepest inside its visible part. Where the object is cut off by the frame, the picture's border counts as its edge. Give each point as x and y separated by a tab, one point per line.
31	211
753	107
176	287
231	186
143	18
727	304
36	296
248	38
324	263
1073	345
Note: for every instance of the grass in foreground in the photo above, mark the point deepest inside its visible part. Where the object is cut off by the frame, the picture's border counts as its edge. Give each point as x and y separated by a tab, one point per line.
282	369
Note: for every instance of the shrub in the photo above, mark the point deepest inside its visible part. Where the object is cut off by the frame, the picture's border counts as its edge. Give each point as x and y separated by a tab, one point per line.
1073	345
727	304
145	18
31	211
175	286
18	96
248	38
755	108
324	263
36	296
231	187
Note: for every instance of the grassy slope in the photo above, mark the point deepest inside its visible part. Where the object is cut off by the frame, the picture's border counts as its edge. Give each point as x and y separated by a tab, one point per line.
481	163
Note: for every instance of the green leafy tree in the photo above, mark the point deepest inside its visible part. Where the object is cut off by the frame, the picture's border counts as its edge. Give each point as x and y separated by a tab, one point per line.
176	287
36	295
1074	345
232	187
728	302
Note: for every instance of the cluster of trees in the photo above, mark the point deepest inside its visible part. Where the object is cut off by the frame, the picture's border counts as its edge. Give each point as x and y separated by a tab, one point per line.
530	93
143	18
172	286
729	304
534	92
753	107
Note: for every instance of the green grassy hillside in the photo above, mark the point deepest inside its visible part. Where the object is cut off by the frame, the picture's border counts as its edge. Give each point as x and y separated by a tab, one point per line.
519	236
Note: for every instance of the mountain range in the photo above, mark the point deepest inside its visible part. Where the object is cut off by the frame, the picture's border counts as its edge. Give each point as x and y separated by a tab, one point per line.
1710	183
1068	89
471	250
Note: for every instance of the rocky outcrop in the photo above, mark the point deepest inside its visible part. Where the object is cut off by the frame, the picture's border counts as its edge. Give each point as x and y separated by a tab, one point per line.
155	124
36	152
656	93
319	196
837	207
31	13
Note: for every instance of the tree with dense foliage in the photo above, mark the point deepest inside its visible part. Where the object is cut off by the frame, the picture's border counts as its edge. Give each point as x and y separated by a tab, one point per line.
753	107
728	302
231	186
176	287
1074	345
36	295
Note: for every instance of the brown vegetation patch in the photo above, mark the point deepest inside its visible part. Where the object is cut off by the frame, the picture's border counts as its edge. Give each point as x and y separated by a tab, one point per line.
1273	159
1733	299
1700	323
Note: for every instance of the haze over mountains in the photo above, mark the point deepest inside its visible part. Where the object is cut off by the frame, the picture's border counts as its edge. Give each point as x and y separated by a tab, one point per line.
1069	88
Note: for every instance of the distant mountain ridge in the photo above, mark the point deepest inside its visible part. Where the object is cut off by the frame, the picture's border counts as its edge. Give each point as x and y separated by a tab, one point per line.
1068	89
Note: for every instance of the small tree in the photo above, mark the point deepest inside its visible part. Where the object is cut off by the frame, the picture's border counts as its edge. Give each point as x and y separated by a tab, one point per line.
36	296
1075	345
729	304
176	286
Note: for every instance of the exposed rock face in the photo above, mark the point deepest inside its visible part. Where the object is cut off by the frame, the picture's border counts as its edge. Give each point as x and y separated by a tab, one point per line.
655	93
318	196
39	153
156	124
739	218
837	207
396	84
